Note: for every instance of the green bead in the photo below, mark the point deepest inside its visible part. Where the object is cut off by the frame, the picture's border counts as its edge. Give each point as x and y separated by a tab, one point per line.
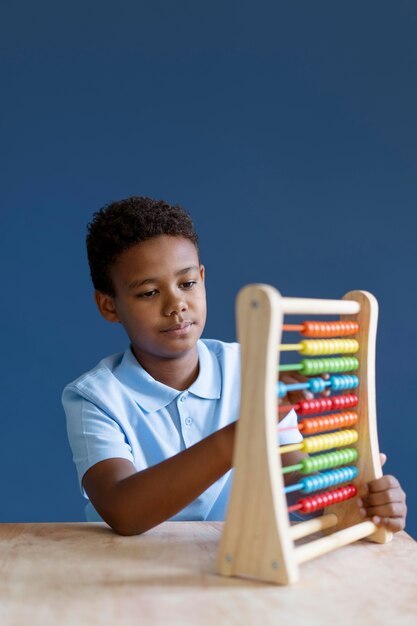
312	367
328	460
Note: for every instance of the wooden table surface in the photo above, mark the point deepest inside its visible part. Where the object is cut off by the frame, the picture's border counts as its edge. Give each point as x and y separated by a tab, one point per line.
76	574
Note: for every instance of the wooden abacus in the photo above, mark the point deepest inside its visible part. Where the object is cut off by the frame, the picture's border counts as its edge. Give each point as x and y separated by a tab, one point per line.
258	539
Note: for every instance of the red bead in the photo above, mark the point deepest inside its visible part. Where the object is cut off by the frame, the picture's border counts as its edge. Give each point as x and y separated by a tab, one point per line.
321	500
346	401
321	405
318	405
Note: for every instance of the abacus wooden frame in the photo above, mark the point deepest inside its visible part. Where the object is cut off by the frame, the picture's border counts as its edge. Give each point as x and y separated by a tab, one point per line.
258	540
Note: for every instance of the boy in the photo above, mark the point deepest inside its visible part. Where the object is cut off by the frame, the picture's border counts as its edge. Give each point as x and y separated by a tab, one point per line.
152	428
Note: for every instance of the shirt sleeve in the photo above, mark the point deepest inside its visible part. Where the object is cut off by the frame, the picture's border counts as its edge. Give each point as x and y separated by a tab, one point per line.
93	435
291	434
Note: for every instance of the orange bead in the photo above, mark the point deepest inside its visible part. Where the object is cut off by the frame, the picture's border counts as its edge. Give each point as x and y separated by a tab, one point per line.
329	329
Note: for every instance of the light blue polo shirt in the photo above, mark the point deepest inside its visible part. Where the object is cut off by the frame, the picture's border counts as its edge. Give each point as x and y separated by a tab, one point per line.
117	410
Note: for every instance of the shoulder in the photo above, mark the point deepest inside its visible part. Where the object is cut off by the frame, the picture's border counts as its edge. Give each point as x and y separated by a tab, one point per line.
225	355
222	349
94	382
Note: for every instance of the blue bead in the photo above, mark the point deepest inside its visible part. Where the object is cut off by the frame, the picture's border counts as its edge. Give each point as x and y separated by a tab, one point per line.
317	385
281	389
335	382
328	479
340	383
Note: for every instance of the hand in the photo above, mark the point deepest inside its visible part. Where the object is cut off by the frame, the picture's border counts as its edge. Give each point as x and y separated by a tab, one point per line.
384	502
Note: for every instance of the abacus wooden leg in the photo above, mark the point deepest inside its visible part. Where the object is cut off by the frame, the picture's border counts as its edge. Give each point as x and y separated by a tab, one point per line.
368	464
256	541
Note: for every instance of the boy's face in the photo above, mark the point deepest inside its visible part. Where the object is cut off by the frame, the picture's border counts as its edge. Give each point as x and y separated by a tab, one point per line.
160	297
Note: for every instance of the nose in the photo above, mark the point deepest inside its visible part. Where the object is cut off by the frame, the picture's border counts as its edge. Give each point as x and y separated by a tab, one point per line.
175	304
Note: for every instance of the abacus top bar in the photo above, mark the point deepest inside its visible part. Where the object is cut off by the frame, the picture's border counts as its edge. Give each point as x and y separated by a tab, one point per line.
294	306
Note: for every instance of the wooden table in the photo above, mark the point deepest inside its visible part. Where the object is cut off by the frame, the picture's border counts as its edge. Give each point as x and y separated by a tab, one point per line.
76	574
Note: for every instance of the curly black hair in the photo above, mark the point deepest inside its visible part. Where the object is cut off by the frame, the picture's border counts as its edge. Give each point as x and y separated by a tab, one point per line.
122	224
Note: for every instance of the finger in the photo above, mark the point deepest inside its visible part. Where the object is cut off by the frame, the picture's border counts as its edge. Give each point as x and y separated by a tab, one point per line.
293	378
387	510
297	396
383	484
381	498
392	524
391	516
382	458
326	393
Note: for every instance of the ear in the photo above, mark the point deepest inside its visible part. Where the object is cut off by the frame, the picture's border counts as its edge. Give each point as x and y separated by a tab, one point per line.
202	272
106	306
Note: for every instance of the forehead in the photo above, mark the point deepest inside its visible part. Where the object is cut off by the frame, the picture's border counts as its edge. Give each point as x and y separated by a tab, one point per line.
155	258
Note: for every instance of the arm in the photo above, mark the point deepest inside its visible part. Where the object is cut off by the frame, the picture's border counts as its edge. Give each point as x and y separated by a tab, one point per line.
132	502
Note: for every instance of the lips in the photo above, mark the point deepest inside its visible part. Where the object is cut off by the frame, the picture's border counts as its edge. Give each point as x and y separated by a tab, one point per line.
179	329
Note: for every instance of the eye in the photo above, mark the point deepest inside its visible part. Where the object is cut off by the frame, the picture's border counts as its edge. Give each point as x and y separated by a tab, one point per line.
189	284
147	294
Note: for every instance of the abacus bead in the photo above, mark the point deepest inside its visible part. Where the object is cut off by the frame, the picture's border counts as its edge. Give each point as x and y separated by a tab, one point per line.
314	503
328	479
344	402
328	346
333	440
308	485
281	389
340	383
352	363
329	329
309	428
350	418
353	473
336	383
317	405
351	345
309	367
306	506
310	329
327	423
328	460
317	385
319	366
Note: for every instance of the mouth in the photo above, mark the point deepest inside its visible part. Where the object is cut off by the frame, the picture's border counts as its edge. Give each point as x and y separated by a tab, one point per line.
178	330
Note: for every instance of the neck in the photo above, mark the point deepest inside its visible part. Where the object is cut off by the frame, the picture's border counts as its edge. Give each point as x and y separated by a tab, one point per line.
177	373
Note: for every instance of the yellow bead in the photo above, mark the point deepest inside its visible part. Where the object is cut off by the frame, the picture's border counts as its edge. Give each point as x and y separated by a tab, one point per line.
314	347
333	440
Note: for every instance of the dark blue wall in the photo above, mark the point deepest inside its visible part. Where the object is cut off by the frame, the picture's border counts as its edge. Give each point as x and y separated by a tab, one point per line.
288	129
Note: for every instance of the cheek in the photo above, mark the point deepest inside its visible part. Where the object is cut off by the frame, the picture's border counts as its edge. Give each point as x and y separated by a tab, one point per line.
135	319
202	305
202	293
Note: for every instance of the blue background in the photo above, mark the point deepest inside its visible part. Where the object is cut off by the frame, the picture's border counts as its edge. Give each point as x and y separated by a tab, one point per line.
287	129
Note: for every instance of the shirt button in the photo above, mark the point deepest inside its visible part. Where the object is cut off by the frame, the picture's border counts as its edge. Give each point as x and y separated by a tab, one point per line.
188	421
183	398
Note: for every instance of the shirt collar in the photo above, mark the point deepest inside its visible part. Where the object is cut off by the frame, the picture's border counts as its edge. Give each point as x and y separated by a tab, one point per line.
152	395
208	383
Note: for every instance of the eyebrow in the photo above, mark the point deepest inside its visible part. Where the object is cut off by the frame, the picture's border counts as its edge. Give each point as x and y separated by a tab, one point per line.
138	283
